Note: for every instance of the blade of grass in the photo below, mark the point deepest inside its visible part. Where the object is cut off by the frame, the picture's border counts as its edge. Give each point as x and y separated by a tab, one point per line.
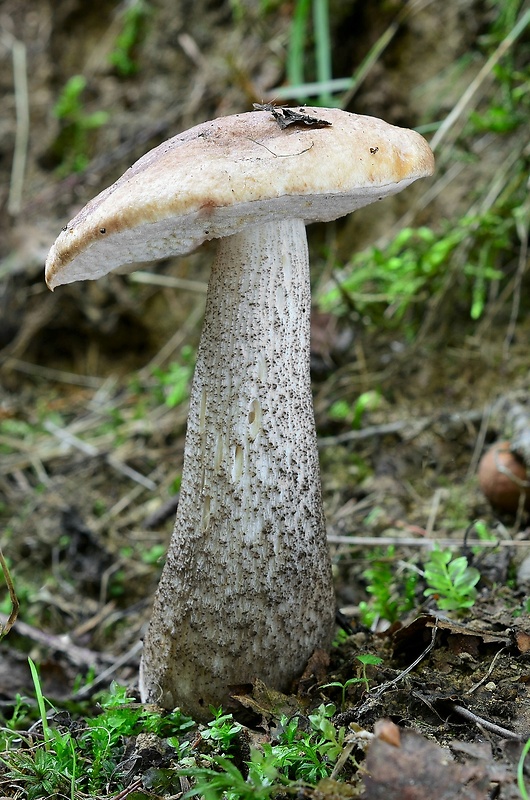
520	771
310	89
322	48
295	53
41	703
73	769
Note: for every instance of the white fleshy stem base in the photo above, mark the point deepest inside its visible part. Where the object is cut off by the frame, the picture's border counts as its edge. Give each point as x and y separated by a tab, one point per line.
246	591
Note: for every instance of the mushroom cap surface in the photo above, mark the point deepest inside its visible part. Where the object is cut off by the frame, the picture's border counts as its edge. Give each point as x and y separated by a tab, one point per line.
221	176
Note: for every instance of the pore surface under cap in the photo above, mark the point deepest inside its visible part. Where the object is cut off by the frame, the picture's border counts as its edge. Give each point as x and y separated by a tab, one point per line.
218	177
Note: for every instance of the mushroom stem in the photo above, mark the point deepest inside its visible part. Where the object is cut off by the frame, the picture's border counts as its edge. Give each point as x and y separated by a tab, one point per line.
246	591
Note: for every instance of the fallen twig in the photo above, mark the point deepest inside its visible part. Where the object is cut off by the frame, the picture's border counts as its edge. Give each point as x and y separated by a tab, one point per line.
66	436
488	673
484	723
107	673
411	541
414	427
6	627
79	656
132	787
20	83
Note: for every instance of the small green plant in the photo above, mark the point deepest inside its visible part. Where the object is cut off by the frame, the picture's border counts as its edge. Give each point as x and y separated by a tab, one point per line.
225	780
71	145
391	596
222	730
482	530
364	659
385	286
12	432
154	554
331	742
343	411
175	380
134	23
19	714
451	581
296	758
484	534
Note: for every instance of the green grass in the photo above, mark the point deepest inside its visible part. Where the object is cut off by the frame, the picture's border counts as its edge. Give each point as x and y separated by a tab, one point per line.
391	286
60	755
318	46
64	756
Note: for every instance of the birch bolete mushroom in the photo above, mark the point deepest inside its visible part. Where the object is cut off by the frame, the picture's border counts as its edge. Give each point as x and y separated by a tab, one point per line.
246	590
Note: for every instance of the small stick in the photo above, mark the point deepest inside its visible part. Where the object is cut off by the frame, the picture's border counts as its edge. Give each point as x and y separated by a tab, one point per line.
433	513
129	655
51	374
15	606
168	281
522	266
488	673
410	541
416	426
484	723
137	784
18	168
79	656
90	450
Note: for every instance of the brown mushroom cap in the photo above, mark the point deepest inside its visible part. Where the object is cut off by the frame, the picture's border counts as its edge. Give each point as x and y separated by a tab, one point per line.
503	478
218	177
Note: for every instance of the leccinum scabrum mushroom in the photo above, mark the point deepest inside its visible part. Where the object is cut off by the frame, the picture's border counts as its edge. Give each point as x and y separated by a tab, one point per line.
246	591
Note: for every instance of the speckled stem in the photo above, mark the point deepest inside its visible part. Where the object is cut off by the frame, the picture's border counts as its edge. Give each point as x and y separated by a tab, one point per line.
246	591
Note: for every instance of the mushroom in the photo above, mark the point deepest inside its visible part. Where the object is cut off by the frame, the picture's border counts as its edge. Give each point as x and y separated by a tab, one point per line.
246	591
504	479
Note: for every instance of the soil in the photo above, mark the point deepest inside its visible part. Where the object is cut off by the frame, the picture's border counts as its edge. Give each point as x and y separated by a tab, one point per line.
90	453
